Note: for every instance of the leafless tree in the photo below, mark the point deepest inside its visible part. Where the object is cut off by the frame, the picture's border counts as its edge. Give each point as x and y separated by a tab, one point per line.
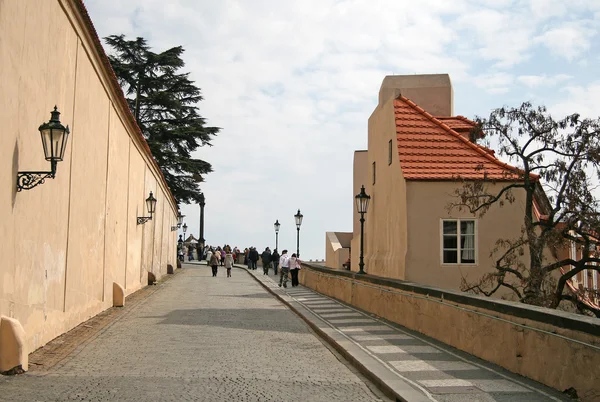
557	167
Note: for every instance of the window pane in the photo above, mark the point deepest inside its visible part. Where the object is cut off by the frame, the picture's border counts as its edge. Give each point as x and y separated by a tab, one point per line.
467	241
449	227
467	227
450	256
467	256
450	242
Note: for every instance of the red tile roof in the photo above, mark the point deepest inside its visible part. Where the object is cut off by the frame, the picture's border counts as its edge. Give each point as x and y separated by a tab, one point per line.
430	149
458	123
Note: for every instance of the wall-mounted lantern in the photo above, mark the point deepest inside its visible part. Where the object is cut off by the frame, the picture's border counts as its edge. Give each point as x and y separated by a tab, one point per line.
151	206
54	140
179	220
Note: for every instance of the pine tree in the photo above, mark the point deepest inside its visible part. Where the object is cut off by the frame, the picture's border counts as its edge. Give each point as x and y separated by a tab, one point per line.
164	103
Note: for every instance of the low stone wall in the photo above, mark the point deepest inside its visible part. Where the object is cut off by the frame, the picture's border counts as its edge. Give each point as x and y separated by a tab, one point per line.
559	349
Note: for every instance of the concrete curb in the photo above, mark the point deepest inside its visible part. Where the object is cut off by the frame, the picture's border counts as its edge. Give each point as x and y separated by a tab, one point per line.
388	383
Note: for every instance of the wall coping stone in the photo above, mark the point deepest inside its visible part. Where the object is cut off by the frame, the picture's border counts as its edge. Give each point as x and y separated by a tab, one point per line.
561	319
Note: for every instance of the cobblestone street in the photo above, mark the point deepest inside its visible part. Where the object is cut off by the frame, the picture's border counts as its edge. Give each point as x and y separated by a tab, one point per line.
198	338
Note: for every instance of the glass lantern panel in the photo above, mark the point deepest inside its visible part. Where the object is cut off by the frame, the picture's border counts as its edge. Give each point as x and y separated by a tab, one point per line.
47	143
63	145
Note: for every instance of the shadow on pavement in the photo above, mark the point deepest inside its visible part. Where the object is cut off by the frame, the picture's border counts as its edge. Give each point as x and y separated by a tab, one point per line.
252	296
242	318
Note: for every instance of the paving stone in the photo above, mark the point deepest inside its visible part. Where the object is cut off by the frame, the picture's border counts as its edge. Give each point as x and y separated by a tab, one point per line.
198	338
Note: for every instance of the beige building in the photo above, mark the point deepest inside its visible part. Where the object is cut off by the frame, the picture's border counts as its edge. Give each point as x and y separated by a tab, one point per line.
67	243
417	155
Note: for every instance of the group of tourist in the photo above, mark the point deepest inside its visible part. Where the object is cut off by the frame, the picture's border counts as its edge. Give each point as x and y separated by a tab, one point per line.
284	264
221	256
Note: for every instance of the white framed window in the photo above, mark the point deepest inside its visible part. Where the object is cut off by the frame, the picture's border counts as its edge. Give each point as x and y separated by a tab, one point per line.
459	241
573	256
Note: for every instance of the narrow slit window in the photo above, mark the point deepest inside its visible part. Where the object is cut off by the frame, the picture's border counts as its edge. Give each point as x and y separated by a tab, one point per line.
390	152
374	172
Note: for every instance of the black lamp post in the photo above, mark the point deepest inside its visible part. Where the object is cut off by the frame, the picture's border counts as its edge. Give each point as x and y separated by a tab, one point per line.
184	230
298	217
277	225
54	140
362	203
151	207
202	203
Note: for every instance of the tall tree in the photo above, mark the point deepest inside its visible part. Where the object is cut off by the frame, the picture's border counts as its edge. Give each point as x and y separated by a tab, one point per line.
559	162
164	102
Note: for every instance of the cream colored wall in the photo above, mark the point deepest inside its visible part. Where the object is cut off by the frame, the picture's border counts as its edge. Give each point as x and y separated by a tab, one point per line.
385	220
427	206
65	242
432	92
336	253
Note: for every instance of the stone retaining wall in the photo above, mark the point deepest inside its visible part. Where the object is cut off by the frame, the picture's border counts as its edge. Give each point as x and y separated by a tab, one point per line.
559	349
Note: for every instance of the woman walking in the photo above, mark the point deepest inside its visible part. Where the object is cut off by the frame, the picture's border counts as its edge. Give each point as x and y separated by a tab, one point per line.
214	263
228	263
295	268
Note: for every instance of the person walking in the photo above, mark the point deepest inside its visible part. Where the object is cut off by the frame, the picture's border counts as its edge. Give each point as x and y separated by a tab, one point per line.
253	258
284	262
275	259
295	264
218	253
214	263
209	254
223	254
266	260
228	263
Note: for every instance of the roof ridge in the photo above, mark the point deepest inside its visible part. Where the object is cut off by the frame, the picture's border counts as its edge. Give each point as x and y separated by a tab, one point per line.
475	147
466	120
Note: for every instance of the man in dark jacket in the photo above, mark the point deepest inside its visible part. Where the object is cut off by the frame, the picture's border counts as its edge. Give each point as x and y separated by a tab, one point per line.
266	260
275	261
252	258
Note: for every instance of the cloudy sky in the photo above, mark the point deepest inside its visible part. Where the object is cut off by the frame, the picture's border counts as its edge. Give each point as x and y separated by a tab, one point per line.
292	83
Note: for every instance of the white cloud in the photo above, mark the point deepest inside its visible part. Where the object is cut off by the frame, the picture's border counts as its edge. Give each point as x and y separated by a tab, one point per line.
494	83
293	84
569	40
584	100
534	81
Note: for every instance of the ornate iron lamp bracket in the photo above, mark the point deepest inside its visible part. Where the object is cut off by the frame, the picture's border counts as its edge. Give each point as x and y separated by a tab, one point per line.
28	180
143	219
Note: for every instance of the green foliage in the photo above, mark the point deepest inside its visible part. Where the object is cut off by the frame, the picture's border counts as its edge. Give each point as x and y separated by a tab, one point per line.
164	103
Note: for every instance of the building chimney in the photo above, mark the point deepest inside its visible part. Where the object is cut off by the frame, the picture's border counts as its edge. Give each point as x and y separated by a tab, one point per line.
432	92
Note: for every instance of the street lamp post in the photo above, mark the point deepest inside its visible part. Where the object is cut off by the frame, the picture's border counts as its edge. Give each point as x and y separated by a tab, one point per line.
184	230
362	203
277	225
201	240
298	217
